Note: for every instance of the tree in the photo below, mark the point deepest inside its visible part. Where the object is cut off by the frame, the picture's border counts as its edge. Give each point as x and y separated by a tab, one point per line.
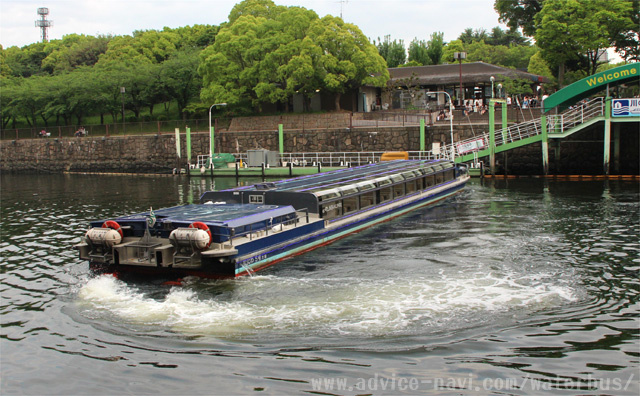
180	79
418	52
435	48
348	59
257	8
570	30
393	52
471	36
519	14
627	42
539	67
506	38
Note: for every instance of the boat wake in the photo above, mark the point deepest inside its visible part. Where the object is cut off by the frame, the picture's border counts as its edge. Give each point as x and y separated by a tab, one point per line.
274	306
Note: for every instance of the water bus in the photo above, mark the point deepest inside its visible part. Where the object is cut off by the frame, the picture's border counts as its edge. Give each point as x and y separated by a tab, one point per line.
239	231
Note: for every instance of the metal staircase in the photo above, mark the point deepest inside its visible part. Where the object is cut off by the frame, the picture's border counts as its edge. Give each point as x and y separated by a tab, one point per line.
517	135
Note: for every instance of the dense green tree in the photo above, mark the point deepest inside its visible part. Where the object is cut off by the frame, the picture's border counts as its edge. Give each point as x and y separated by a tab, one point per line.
393	52
519	14
180	78
418	52
435	48
348	59
257	8
471	36
627	42
74	51
568	30
506	38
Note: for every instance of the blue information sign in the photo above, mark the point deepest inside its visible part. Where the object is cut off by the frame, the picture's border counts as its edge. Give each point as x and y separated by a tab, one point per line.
625	107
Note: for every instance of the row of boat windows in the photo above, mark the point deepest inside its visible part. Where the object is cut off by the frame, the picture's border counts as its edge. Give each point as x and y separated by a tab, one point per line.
355	188
362	200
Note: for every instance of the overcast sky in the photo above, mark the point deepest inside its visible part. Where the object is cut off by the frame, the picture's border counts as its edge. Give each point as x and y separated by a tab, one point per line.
402	19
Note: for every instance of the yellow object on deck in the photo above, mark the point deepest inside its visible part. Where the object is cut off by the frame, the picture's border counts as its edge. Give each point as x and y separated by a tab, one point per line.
394	155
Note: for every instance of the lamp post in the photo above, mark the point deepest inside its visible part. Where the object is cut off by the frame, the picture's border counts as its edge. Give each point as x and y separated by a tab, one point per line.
500	90
460	56
493	79
453	150
211	133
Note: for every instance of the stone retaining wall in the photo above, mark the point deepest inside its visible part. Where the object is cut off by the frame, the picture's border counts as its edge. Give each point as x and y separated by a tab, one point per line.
578	154
157	153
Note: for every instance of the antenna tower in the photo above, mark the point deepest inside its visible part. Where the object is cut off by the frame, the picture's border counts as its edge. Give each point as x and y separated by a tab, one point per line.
43	23
342	3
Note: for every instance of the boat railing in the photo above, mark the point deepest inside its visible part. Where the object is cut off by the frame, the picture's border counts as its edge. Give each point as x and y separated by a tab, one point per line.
263	229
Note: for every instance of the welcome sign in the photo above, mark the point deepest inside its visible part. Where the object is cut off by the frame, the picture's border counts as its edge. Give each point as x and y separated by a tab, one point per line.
625	107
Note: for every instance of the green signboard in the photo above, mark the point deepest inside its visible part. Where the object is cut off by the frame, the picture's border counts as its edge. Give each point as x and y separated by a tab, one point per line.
592	84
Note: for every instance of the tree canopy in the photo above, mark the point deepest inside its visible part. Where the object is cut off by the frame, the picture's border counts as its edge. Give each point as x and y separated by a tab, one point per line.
578	32
266	54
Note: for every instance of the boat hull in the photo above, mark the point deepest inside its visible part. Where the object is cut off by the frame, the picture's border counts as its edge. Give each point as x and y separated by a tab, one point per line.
265	253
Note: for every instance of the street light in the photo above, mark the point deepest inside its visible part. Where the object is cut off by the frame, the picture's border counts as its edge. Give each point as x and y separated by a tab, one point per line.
211	133
500	90
453	151
493	79
460	56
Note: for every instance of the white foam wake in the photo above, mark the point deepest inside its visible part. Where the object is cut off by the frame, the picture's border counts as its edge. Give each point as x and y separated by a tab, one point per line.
328	306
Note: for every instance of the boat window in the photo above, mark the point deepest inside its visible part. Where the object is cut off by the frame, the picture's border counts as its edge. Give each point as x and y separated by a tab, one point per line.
350	204
420	183
408	175
385	194
447	165
367	199
348	190
449	175
430	181
410	187
327	194
365	186
398	190
331	210
397	178
382	181
439	177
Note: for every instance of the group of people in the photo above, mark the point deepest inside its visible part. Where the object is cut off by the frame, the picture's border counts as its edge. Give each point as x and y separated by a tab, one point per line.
474	106
81	132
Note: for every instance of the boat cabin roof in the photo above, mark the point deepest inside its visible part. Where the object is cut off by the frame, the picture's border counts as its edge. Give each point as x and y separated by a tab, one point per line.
308	192
351	180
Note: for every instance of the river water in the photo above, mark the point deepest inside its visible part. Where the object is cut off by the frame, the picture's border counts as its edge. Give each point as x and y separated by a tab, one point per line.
519	286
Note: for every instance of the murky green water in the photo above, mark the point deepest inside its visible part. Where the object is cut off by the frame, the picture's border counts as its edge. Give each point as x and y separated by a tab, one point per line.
517	287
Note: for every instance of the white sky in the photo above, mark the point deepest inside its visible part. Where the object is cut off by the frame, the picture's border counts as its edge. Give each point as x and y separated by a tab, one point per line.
402	19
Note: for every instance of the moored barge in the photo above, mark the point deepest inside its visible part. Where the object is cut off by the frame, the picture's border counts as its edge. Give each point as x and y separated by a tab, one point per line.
242	230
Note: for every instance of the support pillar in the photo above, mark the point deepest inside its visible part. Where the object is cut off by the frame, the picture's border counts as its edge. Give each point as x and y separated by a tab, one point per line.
178	142
616	148
422	146
492	136
545	145
505	122
281	138
212	144
607	135
189	145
